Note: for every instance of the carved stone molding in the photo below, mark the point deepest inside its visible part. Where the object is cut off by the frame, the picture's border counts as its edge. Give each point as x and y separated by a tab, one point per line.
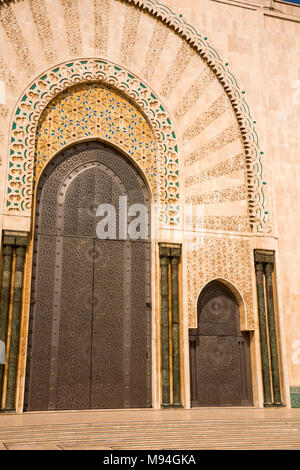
257	194
95	110
226	259
54	81
256	183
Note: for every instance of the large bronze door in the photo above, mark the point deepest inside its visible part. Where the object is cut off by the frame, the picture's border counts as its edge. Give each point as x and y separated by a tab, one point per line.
89	333
219	352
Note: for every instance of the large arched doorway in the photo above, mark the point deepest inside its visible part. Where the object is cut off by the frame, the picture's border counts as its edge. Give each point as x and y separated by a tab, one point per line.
90	320
220	367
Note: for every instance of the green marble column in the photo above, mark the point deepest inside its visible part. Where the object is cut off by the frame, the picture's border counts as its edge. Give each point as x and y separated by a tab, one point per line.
5	301
263	334
175	255
164	253
21	243
272	335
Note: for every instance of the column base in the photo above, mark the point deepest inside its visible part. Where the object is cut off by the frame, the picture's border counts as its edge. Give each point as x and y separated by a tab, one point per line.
273	405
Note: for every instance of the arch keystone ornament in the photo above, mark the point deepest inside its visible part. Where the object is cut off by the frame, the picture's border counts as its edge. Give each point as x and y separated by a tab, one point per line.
162	173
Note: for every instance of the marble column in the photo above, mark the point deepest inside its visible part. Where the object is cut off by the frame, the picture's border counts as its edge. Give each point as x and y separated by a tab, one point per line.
175	256
164	253
11	301
263	334
169	263
5	301
272	334
15	329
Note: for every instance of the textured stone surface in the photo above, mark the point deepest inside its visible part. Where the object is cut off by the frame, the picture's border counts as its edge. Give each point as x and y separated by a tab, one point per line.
225	152
111	430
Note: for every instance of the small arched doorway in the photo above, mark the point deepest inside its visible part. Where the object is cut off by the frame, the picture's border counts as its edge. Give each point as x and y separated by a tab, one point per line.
220	369
90	321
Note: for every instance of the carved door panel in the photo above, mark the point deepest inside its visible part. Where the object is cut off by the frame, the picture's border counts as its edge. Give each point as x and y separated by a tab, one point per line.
72	323
121	326
219	352
89	338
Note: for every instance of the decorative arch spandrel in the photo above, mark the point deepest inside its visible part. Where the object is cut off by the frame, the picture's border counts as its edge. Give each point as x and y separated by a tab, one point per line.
225	259
35	104
255	189
94	110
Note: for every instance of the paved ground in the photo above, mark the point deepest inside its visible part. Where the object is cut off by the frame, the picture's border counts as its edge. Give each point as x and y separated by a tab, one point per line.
202	428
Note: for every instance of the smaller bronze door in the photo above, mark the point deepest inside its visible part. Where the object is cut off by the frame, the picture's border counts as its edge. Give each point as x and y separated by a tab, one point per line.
220	367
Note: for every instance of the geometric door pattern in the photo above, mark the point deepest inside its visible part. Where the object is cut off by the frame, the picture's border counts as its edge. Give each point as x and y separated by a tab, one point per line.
89	339
220	367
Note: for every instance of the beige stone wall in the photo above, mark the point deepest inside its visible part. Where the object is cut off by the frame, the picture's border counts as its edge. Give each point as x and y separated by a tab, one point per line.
261	48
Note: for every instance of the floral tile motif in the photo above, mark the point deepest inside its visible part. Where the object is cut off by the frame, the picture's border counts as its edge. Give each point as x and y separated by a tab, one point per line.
93	110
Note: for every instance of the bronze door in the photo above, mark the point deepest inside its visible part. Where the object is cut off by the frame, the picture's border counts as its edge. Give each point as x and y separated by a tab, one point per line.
220	368
89	332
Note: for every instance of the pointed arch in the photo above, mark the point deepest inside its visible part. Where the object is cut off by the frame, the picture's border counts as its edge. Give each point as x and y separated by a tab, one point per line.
256	184
236	294
54	81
